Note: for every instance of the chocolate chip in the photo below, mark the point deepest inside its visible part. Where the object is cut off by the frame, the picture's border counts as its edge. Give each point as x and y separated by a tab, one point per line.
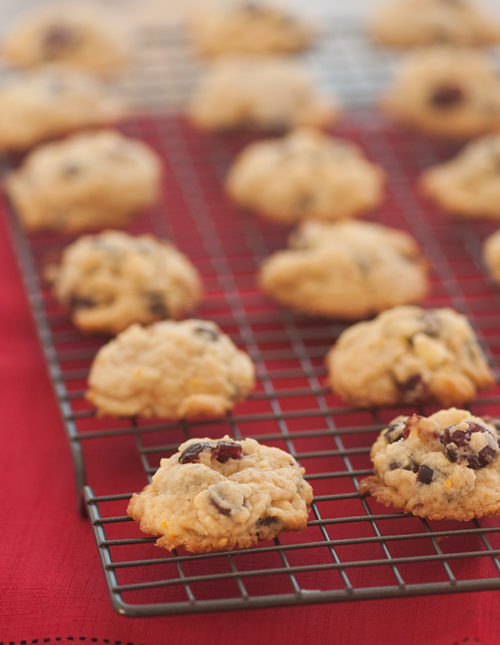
208	332
156	304
58	39
192	452
266	520
394	431
412	466
81	302
425	474
220	509
447	96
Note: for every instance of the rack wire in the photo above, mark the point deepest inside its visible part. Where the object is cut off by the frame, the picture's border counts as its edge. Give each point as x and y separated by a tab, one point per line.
353	548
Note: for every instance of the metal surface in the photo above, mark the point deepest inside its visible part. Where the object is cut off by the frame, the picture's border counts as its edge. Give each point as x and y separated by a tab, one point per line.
353	548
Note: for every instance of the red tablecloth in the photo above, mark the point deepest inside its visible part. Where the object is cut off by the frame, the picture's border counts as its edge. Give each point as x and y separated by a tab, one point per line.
51	581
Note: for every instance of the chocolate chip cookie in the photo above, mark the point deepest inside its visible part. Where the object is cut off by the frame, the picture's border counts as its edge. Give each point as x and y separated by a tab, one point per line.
491	255
85	182
306	174
409	355
348	269
221	27
170	370
113	279
84	38
261	93
446	92
217	494
469	184
446	466
420	23
50	102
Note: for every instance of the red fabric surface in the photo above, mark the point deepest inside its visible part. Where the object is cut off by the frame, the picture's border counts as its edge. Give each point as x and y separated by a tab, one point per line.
52	585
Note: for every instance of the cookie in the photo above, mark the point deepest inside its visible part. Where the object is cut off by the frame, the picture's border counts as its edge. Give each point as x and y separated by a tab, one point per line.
221	27
409	355
170	369
84	38
50	102
216	494
469	184
420	23
113	279
261	93
491	255
443	467
305	175
87	181
446	92
346	269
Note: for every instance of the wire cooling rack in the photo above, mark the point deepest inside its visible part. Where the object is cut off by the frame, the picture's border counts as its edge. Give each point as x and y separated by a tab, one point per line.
353	548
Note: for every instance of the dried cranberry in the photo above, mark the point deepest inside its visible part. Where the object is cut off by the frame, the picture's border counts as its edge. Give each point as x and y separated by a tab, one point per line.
221	450
457	440
413	389
446	96
425	474
225	450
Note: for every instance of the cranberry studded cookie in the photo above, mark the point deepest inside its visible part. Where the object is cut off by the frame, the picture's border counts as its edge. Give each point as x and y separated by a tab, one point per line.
491	255
409	355
420	23
261	93
446	466
446	92
306	174
170	369
84	38
346	269
222	494
84	182
220	27
113	279
50	102
469	184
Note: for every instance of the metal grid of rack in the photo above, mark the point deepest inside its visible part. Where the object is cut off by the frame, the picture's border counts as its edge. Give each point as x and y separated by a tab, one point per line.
353	548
